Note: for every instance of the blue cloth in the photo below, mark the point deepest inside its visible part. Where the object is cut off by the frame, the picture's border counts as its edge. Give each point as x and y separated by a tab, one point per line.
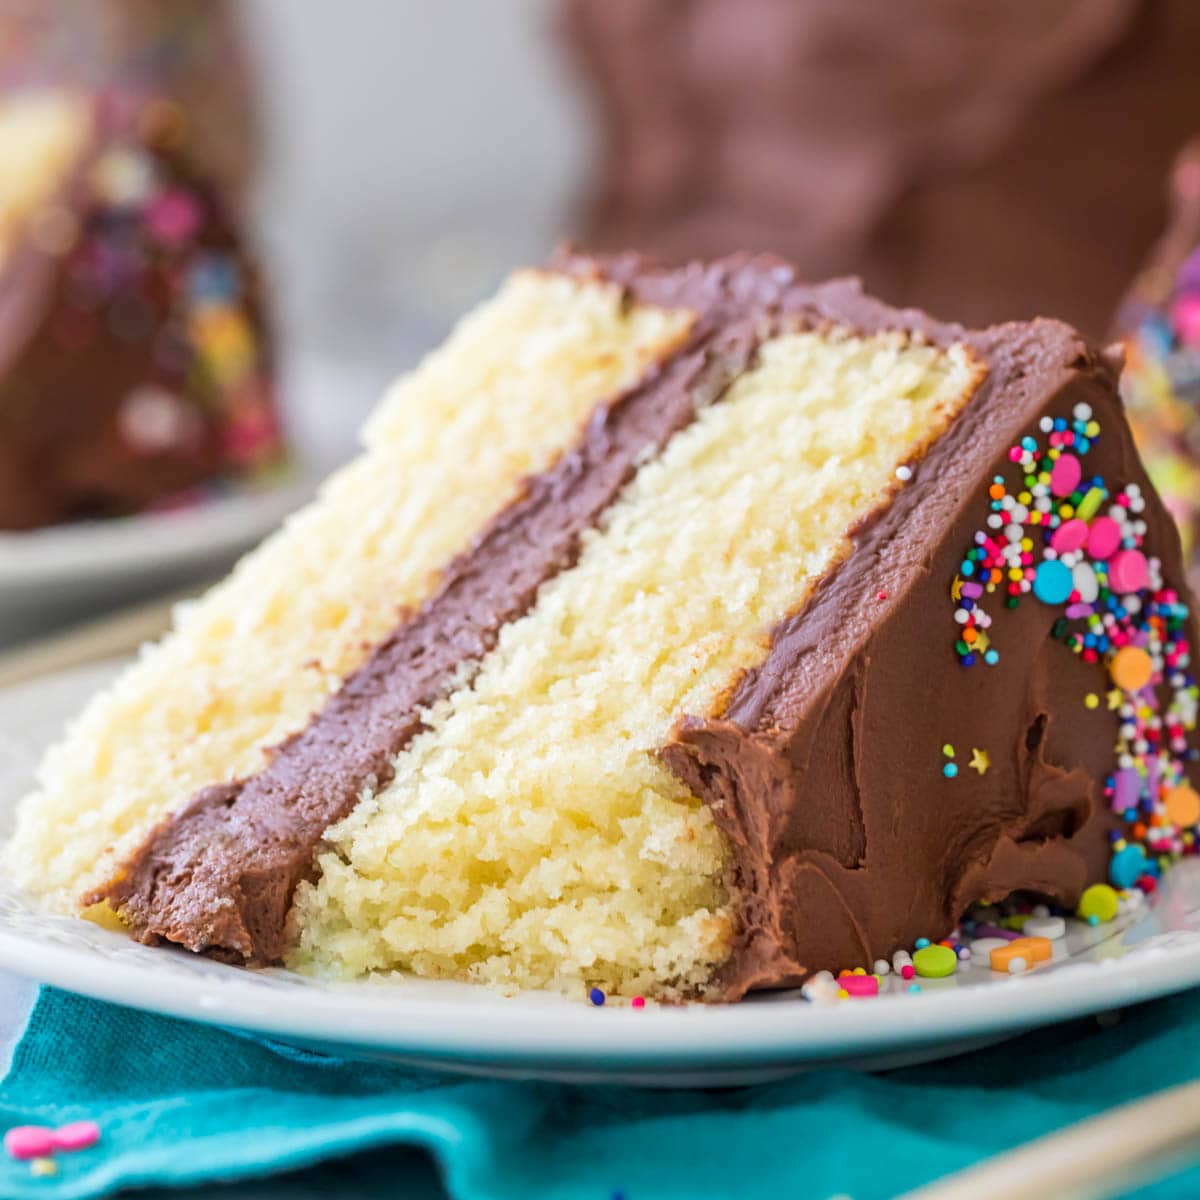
183	1104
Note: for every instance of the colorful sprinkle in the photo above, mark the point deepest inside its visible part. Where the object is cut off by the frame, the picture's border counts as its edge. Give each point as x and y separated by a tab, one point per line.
29	1141
980	760
859	985
1182	806
1076	542
1127	866
78	1135
1098	903
1131	668
950	770
1050	928
935	962
597	997
638	1002
1052	583
1025	951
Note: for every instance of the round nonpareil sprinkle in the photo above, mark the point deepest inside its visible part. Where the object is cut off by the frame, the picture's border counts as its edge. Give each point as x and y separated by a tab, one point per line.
1058	535
597	997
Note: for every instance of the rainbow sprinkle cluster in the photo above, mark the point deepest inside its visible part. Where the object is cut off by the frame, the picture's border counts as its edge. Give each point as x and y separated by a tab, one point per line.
1077	544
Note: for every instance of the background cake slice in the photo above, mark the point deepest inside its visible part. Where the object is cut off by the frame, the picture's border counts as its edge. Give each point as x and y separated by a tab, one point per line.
135	350
679	632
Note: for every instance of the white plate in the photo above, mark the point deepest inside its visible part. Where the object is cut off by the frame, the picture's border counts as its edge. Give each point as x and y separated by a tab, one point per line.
469	1029
54	575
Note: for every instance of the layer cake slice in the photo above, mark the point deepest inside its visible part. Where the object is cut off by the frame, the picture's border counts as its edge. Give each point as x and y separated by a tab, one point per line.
678	632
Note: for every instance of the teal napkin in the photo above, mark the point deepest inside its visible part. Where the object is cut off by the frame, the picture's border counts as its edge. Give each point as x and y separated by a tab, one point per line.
184	1104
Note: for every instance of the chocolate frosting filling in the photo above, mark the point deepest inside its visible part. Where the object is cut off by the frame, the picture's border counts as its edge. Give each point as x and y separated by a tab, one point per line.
822	765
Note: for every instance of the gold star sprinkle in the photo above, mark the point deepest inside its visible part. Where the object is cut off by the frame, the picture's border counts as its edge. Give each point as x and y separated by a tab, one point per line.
980	760
956	589
1114	699
982	642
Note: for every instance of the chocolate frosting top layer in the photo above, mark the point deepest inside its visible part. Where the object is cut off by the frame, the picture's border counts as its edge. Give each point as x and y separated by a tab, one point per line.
823	764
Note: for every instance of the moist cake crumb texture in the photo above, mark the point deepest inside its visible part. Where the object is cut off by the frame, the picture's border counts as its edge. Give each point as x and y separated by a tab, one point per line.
532	836
249	663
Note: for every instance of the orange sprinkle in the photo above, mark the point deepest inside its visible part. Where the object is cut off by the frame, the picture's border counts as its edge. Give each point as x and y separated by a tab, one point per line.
969	635
1031	949
1131	668
1183	806
996	491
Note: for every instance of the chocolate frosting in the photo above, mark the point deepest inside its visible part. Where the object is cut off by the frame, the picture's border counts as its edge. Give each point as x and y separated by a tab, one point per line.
955	154
822	765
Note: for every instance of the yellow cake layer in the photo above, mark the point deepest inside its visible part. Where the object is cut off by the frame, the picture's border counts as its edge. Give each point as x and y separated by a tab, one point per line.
42	135
250	662
531	837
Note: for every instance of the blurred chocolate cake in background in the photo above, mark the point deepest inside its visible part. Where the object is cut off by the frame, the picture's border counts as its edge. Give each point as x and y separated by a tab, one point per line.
135	349
1159	321
995	161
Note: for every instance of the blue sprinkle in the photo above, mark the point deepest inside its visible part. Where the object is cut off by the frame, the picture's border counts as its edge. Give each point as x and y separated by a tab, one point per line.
1052	584
967	603
968	567
1127	865
992	657
921	943
1093	919
950	769
596	996
914	987
968	660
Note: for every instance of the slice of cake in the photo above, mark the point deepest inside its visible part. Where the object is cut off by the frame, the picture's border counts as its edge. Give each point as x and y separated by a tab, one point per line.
679	632
135	357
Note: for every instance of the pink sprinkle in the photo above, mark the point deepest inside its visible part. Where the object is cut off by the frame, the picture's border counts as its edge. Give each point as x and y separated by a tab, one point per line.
1104	536
881	596
174	217
908	971
1070	535
79	1135
1065	475
638	1002
1128	572
859	985
1185	315
1014	454
29	1141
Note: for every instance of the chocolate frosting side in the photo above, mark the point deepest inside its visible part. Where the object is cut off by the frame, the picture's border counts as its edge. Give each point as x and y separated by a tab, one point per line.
824	767
219	875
